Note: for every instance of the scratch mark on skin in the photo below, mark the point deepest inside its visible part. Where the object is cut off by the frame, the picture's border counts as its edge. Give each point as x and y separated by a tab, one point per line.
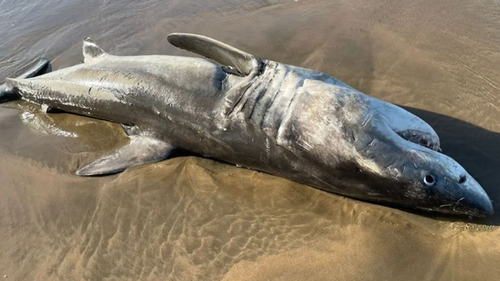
305	144
456	203
268	147
367	119
322	181
445	205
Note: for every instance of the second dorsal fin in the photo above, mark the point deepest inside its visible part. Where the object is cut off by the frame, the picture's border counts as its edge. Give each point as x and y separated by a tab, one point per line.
222	53
92	51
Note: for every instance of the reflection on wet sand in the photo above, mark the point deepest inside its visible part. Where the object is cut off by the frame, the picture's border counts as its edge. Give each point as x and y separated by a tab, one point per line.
196	219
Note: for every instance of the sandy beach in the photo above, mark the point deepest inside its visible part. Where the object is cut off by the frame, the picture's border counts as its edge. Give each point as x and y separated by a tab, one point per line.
191	218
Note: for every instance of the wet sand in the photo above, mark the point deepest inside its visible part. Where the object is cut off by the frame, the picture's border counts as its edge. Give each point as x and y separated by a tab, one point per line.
196	219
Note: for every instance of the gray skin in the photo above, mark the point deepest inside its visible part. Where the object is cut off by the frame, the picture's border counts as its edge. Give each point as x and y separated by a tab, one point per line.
41	67
296	123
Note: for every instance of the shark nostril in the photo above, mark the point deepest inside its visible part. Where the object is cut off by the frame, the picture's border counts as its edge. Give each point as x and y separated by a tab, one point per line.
462	179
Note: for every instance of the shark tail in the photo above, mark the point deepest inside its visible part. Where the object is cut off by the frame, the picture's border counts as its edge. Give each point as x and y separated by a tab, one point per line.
41	67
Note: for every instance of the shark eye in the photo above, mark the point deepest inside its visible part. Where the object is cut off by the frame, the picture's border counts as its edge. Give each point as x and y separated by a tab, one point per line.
429	180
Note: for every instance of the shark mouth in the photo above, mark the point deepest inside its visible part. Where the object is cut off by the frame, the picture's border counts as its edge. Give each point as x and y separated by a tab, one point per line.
421	138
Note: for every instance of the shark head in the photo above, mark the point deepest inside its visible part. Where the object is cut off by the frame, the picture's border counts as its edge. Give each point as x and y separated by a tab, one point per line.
412	175
406	151
372	150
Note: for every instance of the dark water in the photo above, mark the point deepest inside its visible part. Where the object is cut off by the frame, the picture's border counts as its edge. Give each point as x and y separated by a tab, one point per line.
196	219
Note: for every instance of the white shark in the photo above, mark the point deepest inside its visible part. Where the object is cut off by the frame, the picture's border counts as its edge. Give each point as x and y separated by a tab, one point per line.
297	123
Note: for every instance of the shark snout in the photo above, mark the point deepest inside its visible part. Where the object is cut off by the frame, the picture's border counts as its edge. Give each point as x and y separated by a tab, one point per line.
476	200
468	198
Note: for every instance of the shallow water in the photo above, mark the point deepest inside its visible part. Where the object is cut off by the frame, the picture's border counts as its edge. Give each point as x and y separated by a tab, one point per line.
195	219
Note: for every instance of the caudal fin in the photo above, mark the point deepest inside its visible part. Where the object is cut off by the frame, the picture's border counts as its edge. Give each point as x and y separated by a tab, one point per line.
41	67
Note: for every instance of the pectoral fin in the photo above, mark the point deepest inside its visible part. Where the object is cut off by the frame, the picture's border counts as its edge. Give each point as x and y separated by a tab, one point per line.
140	150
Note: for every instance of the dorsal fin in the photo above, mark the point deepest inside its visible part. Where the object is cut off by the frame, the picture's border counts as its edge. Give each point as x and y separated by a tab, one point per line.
91	51
222	53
